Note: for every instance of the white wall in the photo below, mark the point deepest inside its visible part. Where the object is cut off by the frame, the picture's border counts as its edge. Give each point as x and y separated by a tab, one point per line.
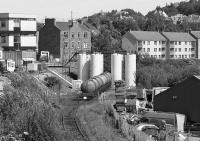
152	46
28	41
11	40
28	25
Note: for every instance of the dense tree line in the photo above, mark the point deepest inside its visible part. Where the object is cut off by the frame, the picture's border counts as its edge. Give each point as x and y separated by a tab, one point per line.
164	73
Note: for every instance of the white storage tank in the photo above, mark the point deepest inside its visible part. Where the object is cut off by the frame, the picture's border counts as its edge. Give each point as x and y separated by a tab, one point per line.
116	67
84	66
130	70
96	64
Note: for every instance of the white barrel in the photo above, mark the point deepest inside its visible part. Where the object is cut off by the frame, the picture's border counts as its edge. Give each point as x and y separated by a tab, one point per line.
96	64
116	67
130	70
84	67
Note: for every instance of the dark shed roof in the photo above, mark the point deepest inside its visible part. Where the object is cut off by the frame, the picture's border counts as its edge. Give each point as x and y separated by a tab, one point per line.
183	98
178	36
146	36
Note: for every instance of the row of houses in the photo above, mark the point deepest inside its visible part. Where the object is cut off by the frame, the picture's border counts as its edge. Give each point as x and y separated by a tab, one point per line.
163	45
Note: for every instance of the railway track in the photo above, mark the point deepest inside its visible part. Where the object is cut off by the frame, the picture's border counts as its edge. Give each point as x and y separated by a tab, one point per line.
71	124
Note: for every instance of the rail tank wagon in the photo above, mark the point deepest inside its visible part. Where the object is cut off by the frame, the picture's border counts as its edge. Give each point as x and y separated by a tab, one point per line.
96	82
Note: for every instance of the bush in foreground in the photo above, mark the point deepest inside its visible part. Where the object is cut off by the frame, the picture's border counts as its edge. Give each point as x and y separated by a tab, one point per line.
26	107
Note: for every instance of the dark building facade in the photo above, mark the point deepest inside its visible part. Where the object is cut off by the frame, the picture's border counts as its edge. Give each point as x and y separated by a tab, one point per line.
64	39
183	98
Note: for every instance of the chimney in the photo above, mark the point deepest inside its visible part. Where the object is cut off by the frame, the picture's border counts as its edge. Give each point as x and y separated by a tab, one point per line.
50	22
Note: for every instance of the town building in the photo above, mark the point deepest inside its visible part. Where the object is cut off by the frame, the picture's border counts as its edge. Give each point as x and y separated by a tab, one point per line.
182	98
196	35
63	39
180	45
145	43
18	37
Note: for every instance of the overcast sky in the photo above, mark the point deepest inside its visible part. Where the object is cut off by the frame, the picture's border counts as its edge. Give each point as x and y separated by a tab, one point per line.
60	9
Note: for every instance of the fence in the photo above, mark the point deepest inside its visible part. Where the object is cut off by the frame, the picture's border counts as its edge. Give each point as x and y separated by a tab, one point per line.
120	122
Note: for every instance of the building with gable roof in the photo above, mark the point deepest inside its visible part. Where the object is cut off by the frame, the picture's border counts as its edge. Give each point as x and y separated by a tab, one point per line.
196	35
180	45
146	43
64	39
182	98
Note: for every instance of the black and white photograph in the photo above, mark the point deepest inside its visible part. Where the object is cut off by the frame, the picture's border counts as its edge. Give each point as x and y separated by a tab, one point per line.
100	70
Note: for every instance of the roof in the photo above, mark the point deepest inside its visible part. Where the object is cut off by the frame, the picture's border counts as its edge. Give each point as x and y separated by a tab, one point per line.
62	25
178	36
146	36
196	34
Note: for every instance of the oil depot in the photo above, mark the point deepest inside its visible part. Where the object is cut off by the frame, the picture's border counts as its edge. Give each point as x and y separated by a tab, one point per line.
91	71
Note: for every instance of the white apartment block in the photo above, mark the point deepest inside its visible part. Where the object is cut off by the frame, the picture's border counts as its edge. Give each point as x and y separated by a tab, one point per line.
181	45
18	33
145	43
165	45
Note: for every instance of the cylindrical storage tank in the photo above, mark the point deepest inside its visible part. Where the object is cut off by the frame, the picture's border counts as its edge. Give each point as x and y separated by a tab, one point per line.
130	70
83	66
96	64
116	67
95	83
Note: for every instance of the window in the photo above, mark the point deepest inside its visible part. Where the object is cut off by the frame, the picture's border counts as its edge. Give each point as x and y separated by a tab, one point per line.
72	34
148	49
143	42
148	43
179	56
85	35
175	49
185	49
189	49
159	49
179	49
3	39
175	56
159	56
16	39
79	34
159	42
152	56
155	42
182	56
189	43
155	49
172	43
155	56
143	49
78	45
3	24
66	34
175	43
65	44
139	43
185	56
163	42
189	56
84	45
179	43
185	43
72	44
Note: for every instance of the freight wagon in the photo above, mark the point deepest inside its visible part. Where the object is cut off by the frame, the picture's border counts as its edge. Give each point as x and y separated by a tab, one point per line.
96	84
